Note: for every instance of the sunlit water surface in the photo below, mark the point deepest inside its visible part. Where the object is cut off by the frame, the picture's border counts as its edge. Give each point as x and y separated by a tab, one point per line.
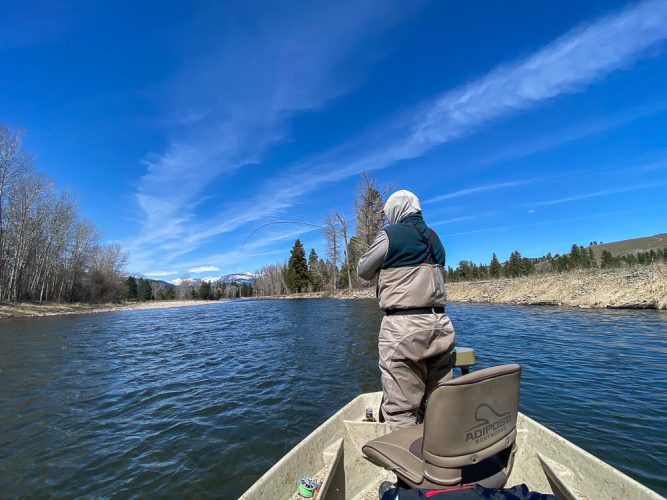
200	401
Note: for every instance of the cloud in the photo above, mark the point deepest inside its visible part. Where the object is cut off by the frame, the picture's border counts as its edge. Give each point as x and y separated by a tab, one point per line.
597	194
263	70
204	269
256	246
581	57
160	273
463	218
505	228
567	65
475	190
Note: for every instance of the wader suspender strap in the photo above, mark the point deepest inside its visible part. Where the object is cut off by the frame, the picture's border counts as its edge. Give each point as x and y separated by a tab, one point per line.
426	242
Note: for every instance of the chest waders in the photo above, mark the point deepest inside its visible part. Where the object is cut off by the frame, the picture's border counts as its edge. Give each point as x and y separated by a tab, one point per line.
428	259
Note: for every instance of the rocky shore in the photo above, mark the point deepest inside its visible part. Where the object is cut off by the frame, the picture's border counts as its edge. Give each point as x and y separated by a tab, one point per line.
639	288
31	310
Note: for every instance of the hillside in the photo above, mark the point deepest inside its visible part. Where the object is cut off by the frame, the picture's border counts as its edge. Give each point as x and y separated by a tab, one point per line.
620	248
632	246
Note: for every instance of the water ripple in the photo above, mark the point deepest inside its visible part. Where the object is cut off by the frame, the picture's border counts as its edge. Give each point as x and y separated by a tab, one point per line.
201	401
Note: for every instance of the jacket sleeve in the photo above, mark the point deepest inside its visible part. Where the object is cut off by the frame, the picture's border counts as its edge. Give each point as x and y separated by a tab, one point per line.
371	262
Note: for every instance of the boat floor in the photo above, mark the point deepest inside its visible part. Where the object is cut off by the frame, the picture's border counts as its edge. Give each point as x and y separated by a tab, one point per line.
544	461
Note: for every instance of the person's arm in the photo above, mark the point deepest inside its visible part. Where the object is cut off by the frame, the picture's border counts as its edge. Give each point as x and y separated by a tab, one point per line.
371	262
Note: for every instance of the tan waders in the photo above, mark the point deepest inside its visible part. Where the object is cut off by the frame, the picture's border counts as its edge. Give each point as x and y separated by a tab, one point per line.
415	356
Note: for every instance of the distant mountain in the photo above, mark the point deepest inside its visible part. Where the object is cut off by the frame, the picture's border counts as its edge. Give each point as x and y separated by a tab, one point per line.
243	278
247	278
165	284
179	281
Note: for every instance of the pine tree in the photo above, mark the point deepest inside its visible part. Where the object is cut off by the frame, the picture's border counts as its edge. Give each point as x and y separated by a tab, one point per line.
607	260
144	290
575	256
131	284
514	266
494	267
204	292
314	270
296	272
464	270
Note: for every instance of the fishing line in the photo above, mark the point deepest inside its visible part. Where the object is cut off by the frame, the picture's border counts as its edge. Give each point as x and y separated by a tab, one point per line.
310	224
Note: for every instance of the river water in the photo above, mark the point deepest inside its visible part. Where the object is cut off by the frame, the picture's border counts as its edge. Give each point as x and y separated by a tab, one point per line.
200	401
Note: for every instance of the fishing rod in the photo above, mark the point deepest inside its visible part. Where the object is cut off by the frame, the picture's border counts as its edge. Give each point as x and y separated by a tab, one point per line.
303	223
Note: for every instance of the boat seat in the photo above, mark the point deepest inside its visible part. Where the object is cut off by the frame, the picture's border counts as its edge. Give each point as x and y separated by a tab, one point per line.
468	435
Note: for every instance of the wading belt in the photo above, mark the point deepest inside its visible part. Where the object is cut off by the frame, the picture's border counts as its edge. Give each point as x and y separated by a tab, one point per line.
415	310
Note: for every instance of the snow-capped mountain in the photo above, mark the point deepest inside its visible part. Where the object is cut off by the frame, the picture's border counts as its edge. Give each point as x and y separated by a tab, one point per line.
247	278
211	279
244	278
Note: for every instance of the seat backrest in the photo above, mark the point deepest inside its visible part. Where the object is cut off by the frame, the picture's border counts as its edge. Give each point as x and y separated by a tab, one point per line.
468	419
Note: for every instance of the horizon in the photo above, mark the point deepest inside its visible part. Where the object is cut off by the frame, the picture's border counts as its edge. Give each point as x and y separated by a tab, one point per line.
520	127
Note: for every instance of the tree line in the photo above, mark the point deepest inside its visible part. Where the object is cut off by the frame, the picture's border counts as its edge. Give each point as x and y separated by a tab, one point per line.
145	289
514	267
47	251
579	257
337	269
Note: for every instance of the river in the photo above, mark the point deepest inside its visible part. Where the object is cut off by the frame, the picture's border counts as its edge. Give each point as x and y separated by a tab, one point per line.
200	401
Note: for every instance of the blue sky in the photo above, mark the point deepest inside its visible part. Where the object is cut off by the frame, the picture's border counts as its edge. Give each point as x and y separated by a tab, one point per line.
183	126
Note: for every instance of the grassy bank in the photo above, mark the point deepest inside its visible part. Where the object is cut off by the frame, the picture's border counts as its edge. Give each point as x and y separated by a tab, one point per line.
32	310
639	288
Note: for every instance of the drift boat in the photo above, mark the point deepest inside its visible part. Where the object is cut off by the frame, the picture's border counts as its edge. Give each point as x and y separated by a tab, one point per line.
332	455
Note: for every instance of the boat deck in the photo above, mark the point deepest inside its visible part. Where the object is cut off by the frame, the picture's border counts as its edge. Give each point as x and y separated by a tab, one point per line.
545	462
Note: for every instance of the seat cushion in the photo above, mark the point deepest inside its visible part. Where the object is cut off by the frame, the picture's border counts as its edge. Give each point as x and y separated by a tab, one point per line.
400	452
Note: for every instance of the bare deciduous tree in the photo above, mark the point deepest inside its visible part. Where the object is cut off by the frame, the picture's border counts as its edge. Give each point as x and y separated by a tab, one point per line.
368	209
46	252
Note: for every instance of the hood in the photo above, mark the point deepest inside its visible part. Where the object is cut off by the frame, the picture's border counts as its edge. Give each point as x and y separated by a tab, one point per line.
400	204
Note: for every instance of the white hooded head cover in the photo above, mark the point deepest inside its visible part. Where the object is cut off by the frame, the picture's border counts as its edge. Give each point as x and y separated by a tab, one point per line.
400	204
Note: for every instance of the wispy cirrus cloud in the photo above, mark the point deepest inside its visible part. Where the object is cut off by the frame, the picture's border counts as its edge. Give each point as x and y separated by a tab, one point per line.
204	269
262	71
475	190
161	273
597	194
463	218
564	220
583	56
569	64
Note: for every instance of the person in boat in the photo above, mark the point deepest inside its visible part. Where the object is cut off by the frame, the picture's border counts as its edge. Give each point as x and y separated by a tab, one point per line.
416	336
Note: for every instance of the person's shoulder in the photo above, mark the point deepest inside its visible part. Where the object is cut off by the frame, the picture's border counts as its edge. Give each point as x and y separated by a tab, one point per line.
396	228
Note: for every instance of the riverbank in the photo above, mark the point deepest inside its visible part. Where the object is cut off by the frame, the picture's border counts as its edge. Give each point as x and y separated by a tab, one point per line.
639	288
32	310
